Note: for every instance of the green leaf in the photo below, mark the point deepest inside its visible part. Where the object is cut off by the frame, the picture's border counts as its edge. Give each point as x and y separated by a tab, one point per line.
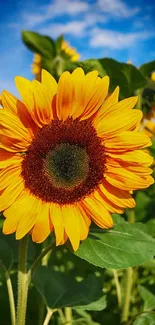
148	298
117	77
142	202
85	318
60	290
147	68
6	256
123	246
152	148
58	43
40	44
151	227
92	64
145	319
134	77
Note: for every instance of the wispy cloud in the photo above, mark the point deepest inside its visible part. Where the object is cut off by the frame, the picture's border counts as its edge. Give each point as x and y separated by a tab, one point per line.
117	8
55	9
117	40
76	28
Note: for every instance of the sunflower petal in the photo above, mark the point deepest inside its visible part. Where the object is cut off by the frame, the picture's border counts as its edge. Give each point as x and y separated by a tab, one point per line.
97	211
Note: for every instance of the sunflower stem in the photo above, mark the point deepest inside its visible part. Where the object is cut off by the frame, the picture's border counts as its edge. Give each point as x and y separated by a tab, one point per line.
68	315
44	262
23	281
10	295
128	281
118	288
127	295
48	316
38	260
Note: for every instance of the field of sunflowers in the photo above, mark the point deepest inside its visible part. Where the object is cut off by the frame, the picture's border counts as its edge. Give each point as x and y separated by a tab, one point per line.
77	192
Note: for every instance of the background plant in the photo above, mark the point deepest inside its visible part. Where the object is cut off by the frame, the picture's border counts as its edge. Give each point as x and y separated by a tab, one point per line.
111	278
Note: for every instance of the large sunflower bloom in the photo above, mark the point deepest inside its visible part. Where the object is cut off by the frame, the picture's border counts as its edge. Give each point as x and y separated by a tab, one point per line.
70	155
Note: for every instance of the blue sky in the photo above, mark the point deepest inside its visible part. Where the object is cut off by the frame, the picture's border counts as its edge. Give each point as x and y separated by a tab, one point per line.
121	29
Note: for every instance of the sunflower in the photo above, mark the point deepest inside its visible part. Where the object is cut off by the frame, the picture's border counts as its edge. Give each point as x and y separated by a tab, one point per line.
71	52
36	66
70	155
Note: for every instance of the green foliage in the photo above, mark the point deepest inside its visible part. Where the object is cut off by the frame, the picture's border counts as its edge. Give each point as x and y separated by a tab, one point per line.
123	246
148	298
145	319
60	290
40	44
147	68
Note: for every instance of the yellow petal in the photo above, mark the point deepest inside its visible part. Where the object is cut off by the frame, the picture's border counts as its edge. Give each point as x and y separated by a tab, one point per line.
65	98
117	196
97	211
13	132
111	126
9	175
29	207
127	140
126	180
98	95
49	83
11	193
43	226
9	158
136	157
57	221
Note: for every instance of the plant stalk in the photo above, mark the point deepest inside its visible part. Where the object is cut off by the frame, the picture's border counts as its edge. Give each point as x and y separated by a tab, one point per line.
11	298
68	315
118	288
127	295
23	281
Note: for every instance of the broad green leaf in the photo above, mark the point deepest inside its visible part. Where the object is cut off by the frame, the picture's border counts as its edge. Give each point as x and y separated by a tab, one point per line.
6	255
148	298
151	227
123	246
9	248
147	68
60	290
142	202
117	77
97	305
84	319
40	44
92	64
145	319
134	77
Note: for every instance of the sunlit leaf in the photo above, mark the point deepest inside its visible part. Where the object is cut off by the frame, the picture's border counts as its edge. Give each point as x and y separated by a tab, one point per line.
123	246
145	319
40	44
148	298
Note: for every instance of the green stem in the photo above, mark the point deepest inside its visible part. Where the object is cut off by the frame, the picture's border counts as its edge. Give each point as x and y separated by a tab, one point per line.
10	295
62	317
23	281
44	262
48	316
40	257
118	288
68	315
127	295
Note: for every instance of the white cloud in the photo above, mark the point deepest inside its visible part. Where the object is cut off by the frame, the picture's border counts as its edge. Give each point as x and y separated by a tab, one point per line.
117	40
117	8
54	9
76	28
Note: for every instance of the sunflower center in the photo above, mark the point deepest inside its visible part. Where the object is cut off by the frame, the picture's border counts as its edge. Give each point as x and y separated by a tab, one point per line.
65	162
67	165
